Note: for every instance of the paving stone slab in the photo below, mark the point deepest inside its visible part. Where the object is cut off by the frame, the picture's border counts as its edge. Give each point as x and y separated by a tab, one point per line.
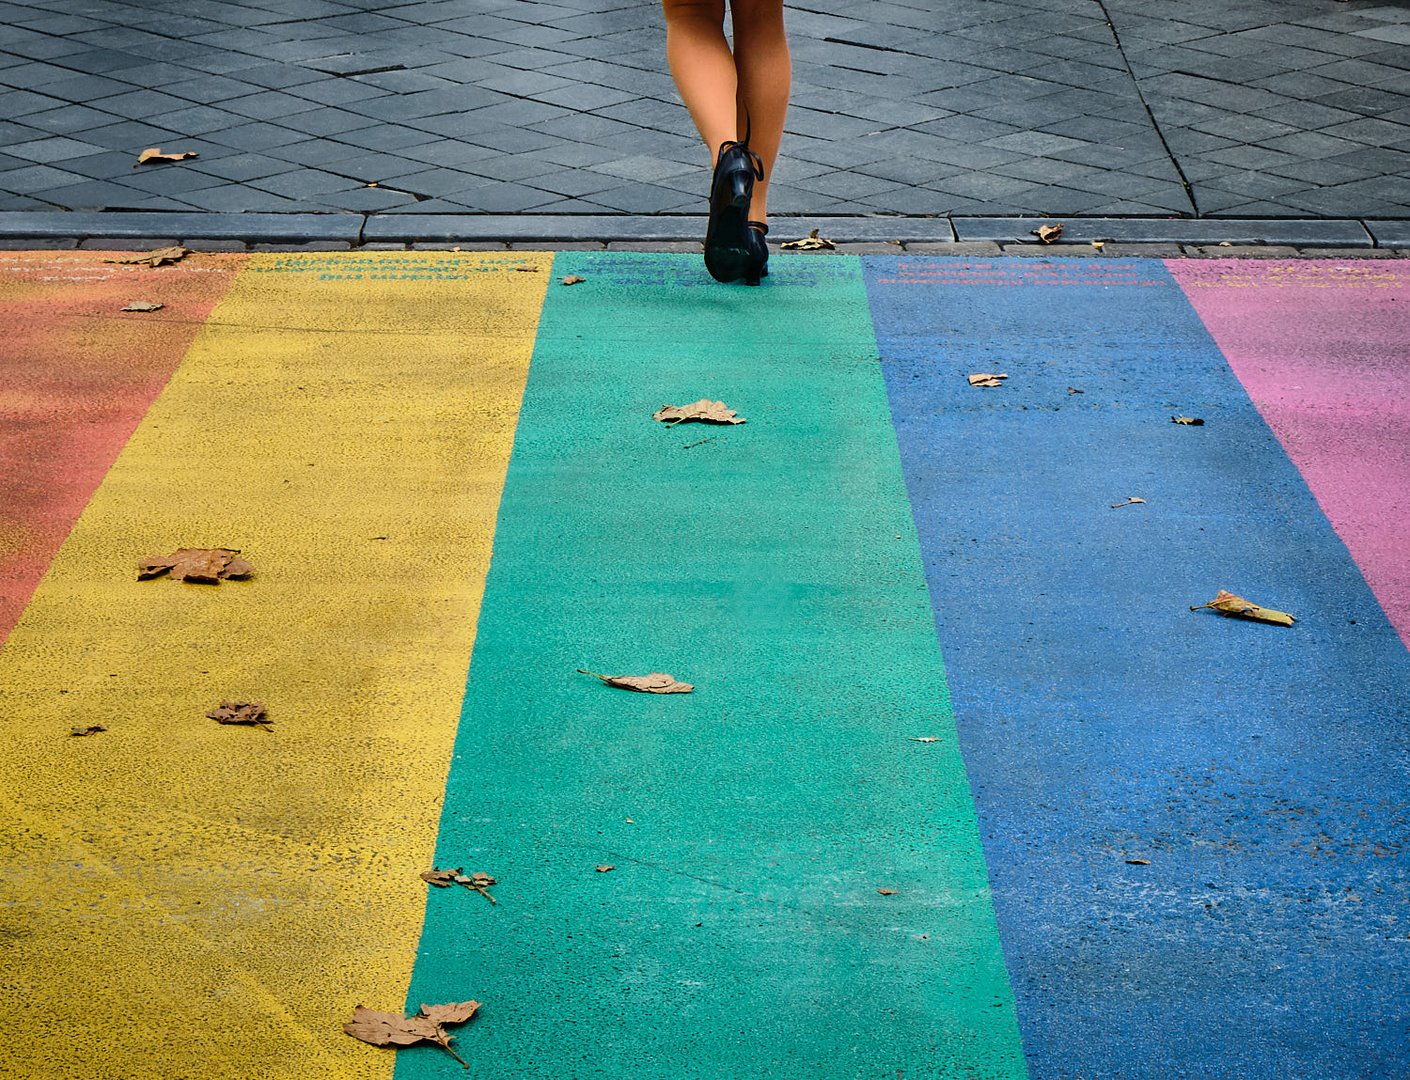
249	227
1390	234
1319	233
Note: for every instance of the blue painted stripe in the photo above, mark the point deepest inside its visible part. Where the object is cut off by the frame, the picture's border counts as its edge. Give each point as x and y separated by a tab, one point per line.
1262	771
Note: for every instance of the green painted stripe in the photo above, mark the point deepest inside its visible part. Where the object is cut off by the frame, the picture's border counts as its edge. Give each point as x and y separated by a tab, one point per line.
775	566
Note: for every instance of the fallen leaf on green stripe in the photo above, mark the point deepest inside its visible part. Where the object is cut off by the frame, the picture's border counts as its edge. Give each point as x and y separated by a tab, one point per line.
605	868
655	683
1226	603
573	279
987	378
703	411
887	892
428	1025
925	738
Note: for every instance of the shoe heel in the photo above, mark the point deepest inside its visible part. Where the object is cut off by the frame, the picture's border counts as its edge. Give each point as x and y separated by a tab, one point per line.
741	187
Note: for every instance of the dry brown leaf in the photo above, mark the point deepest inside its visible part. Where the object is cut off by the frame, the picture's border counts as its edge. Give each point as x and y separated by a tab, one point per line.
1131	500
441	879
573	279
1074	390
477	882
158	257
1190	421
1048	234
427	1025
887	892
1226	603
703	411
1099	244
1138	862
655	683
200	566
987	378
811	242
249	713
526	268
142	305
155	153
925	738
91	729
604	868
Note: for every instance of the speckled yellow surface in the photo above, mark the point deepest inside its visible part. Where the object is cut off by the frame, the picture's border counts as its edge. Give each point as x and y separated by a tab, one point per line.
185	899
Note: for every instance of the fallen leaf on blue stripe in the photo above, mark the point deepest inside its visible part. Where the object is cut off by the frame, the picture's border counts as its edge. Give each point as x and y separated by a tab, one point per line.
1226	603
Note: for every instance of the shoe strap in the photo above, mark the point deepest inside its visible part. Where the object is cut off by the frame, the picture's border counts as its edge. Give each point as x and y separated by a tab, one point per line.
759	227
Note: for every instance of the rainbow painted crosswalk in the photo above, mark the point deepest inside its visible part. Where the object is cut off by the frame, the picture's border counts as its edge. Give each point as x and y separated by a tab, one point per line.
1117	839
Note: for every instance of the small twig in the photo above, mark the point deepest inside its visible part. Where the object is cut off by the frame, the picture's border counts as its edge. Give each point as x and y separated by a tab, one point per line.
687	446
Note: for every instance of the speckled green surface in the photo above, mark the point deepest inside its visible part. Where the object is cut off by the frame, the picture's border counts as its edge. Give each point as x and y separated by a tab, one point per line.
775	566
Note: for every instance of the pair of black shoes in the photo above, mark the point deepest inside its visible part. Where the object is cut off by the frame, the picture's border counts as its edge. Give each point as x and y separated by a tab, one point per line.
735	248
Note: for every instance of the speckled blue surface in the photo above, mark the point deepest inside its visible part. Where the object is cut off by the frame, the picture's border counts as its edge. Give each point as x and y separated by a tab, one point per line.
1262	771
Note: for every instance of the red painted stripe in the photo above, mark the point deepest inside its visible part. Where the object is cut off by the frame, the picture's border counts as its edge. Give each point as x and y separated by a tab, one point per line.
76	376
1323	349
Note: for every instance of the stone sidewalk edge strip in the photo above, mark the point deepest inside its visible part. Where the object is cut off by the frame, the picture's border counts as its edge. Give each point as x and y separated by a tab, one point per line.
355	229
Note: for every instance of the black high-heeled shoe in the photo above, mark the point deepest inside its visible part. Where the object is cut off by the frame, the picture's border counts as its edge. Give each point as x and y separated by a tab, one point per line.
759	261
728	248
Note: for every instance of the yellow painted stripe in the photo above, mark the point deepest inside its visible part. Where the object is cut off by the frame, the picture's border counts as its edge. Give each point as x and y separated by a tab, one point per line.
184	899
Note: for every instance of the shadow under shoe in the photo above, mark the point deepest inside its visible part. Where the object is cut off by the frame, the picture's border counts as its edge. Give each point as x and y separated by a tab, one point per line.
729	249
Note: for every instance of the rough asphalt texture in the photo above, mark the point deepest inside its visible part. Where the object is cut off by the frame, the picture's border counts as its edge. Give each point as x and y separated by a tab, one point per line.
1295	109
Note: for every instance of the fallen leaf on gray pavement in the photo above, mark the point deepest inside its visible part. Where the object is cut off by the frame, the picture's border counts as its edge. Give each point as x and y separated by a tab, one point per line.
655	683
1226	603
1189	421
1099	244
155	153
1133	500
811	242
427	1025
573	279
200	566
1048	234
987	378
703	411
91	729
142	305
158	257
249	713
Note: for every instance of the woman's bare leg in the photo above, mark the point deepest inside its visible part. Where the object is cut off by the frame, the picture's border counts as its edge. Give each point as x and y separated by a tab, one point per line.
703	67
764	76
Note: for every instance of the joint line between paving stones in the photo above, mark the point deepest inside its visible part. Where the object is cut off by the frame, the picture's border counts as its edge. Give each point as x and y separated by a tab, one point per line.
1155	124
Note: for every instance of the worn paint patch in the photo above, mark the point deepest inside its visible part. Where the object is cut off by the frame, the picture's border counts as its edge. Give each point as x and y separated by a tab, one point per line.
1195	826
1323	349
186	899
773	565
76	375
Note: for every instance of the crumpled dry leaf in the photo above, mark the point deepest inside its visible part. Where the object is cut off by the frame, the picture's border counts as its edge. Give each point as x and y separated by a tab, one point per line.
703	411
249	713
391	1029
604	868
526	268
655	683
441	879
159	257
573	279
811	242
155	153
91	729
200	566
887	892
987	378
1191	421
1138	862
925	738
142	305
1131	500
1074	390
1226	603
1048	234
1099	244
477	882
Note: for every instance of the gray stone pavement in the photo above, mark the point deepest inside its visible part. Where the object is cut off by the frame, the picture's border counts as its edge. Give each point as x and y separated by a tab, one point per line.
967	108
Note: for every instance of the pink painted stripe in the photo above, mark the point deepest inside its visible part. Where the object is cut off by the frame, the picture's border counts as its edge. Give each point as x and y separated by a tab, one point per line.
76	377
1323	349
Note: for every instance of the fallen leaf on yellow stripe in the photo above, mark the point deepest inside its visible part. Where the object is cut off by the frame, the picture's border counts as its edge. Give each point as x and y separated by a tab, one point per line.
200	566
1226	603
